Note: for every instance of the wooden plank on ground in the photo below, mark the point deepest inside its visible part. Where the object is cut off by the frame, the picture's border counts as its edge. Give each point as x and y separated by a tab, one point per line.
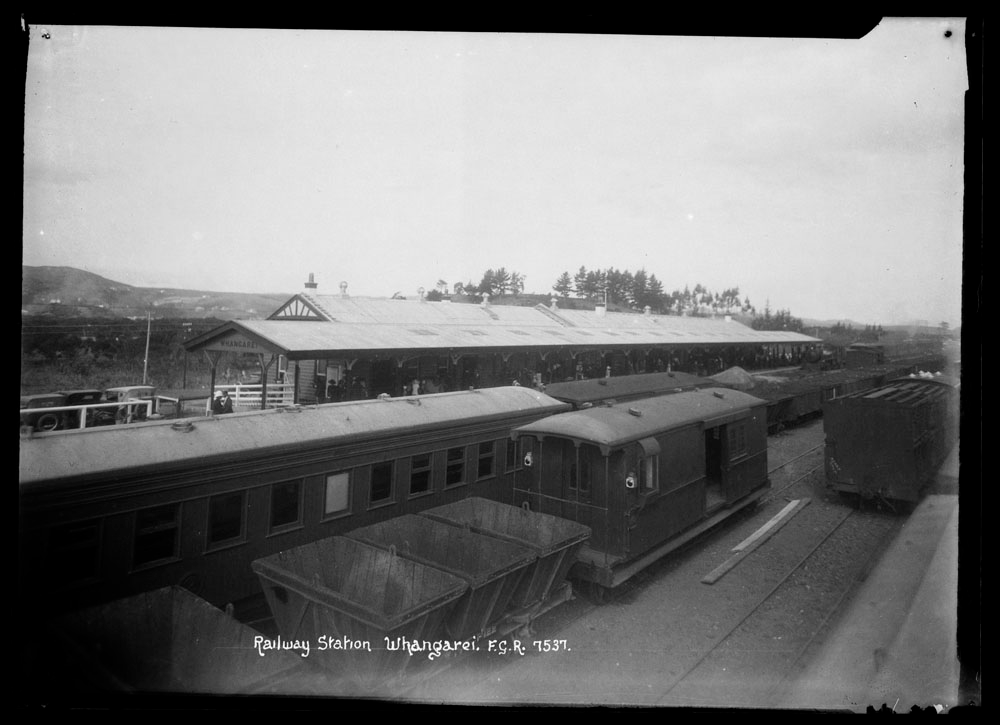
756	539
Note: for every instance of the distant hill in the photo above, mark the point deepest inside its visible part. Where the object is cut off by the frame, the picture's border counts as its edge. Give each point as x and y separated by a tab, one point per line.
71	292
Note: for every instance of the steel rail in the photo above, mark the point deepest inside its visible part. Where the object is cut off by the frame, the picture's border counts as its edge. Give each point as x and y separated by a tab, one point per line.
757	606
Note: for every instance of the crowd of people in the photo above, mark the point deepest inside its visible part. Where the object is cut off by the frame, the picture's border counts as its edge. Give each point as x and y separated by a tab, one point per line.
697	361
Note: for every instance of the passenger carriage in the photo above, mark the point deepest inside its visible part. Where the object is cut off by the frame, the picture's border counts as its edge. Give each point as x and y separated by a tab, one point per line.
108	512
647	475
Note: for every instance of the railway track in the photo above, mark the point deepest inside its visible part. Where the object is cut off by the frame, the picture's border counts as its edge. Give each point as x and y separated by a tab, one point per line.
756	657
796	476
665	638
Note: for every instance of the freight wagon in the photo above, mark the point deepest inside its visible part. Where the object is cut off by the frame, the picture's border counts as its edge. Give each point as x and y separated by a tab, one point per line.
887	443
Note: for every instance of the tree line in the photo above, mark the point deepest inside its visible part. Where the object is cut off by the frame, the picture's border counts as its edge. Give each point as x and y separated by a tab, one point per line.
632	290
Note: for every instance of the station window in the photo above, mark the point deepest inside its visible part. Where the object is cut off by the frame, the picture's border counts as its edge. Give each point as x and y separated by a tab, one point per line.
420	474
74	551
381	482
455	471
737	437
156	534
286	504
486	458
225	517
338	494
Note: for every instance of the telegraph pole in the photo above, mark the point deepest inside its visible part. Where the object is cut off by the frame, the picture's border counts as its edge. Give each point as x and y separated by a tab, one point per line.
145	360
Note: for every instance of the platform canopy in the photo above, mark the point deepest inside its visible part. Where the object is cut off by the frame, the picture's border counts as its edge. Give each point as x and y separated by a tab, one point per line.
316	326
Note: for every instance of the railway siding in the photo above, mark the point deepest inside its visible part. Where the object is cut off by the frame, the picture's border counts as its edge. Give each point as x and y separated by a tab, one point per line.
668	639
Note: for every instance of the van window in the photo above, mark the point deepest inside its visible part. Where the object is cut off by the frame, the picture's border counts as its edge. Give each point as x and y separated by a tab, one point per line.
381	482
156	534
225	518
455	471
286	504
338	490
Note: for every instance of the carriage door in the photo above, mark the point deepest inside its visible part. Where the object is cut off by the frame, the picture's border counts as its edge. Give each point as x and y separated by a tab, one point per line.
714	451
576	483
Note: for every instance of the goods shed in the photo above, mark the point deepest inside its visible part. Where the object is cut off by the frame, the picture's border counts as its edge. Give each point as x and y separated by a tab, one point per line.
319	348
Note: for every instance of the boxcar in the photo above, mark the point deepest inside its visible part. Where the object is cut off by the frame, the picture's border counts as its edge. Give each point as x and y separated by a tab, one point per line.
888	442
108	512
646	476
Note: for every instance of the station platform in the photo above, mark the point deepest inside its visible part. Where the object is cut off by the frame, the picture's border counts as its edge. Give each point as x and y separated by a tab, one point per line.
896	644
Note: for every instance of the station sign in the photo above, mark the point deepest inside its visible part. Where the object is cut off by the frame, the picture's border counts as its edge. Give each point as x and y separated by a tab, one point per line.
234	342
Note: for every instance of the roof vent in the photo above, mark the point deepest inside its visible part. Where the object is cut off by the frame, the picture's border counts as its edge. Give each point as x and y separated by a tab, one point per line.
311	284
635	411
717	394
343	289
182	426
384	396
647	310
486	299
602	381
554	303
421	291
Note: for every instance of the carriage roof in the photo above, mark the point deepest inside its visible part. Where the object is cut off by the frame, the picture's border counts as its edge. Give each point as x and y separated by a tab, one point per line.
588	391
613	426
96	451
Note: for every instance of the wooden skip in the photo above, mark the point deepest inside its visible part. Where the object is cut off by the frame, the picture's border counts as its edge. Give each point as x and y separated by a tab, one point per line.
756	539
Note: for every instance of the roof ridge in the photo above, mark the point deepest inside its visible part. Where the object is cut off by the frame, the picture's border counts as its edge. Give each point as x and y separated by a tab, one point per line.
554	315
318	307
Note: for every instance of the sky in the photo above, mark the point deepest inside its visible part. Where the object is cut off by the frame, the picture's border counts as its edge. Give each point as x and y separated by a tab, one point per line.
822	176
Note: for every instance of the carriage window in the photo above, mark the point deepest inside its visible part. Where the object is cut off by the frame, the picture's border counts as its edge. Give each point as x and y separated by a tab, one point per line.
514	459
649	470
381	483
74	551
485	469
420	473
225	517
156	536
286	504
338	488
737	435
455	472
579	472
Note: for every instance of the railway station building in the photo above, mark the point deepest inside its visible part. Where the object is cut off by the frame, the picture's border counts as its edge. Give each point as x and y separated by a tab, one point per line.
319	348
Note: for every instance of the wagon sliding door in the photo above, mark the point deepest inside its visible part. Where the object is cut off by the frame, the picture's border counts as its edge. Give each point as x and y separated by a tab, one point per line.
715	465
735	461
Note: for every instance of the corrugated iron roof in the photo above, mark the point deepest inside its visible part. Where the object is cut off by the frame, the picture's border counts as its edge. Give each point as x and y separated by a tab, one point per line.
99	451
614	426
303	336
365	324
381	311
